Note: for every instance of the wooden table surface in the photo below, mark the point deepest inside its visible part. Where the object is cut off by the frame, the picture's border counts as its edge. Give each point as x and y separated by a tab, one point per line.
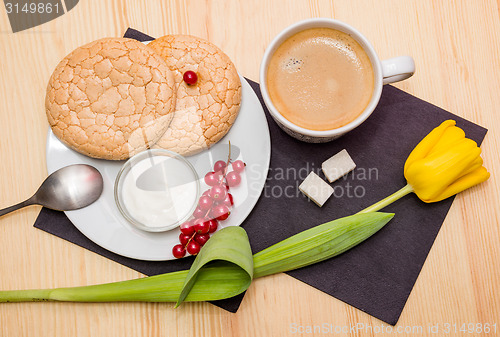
456	47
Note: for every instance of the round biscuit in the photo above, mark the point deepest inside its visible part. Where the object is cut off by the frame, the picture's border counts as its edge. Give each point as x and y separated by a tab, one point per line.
111	98
206	110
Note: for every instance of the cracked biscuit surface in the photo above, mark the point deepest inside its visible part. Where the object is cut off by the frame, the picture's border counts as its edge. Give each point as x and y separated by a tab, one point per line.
204	111
111	98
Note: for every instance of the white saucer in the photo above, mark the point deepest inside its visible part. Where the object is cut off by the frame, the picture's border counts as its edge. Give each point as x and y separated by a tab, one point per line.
102	223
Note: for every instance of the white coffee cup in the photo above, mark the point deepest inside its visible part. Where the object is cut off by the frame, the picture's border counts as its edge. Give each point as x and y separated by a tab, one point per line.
386	71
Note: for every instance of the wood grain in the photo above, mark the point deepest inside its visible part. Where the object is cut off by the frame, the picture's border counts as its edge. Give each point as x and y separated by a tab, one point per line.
456	48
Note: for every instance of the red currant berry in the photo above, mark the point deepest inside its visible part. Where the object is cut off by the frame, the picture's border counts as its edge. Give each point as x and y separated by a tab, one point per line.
184	239
220	212
219	166
218	193
233	179
201	226
187	228
193	247
199	213
201	238
224	184
205	203
190	77
213	225
228	201
212	178
238	166
206	193
179	251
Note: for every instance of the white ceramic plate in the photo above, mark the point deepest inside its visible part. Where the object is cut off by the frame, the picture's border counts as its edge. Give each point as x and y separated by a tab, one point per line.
102	223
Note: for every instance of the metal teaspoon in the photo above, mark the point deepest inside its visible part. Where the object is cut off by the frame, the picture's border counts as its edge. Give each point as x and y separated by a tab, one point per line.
69	188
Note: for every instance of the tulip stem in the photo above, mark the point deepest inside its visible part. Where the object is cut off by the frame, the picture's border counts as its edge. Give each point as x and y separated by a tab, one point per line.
389	200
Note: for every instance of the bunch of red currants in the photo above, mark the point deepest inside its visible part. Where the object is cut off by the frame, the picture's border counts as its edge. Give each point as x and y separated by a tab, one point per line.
214	205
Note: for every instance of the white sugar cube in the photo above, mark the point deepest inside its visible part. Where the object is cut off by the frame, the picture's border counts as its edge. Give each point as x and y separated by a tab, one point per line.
337	166
316	189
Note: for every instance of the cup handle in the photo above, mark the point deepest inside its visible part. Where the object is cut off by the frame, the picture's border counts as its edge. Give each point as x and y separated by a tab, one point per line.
397	69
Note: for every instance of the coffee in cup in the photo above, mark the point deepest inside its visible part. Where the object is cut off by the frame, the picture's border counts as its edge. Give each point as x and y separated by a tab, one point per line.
320	79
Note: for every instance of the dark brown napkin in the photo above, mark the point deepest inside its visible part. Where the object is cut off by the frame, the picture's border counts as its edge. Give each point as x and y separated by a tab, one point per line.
377	275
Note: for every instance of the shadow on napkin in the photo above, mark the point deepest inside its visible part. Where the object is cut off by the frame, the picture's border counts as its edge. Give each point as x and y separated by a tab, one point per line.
376	276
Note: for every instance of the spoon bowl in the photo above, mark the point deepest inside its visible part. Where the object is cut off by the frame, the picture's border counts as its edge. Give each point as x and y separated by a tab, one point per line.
69	188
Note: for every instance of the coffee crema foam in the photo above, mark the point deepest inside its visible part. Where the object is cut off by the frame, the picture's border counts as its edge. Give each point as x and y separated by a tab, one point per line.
320	79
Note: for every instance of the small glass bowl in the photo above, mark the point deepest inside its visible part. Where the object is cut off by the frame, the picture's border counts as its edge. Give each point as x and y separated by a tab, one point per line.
157	190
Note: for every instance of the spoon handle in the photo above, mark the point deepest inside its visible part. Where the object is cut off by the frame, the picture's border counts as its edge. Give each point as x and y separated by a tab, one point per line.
17	206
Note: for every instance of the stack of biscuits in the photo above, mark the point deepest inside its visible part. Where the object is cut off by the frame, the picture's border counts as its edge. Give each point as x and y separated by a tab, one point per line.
116	97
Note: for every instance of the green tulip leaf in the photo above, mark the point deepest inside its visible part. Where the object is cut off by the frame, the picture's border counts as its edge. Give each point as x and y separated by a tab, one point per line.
227	246
224	267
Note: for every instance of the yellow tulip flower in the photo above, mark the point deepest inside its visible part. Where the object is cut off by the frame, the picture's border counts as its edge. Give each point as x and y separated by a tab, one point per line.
443	164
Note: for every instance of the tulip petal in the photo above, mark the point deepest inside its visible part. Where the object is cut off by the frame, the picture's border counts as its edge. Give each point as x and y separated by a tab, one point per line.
425	146
471	179
450	137
430	176
455	161
444	163
477	163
